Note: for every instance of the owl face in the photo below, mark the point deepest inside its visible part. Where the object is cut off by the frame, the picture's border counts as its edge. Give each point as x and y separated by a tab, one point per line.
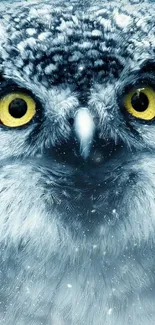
77	166
77	92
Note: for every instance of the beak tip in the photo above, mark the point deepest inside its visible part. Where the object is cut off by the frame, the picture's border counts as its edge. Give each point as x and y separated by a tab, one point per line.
85	153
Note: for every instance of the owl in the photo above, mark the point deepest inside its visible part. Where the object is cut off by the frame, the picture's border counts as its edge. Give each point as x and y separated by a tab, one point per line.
77	162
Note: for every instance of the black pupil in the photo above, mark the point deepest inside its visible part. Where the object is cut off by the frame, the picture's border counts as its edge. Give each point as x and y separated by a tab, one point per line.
139	101
18	108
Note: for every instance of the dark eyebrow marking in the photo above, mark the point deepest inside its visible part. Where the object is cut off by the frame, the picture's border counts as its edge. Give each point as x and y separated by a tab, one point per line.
147	66
2	79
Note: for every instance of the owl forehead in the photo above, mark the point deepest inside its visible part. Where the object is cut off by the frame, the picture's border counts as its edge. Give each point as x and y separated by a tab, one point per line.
64	44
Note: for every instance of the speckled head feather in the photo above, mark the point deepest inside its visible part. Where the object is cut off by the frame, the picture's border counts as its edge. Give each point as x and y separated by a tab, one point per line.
59	43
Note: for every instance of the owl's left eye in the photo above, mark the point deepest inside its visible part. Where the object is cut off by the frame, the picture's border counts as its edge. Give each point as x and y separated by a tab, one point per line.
16	109
140	103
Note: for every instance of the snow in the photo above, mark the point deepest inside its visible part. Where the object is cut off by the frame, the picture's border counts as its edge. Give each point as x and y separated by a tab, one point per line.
110	310
69	285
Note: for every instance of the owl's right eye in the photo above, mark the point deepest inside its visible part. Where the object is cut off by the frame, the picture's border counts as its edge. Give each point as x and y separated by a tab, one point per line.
16	109
140	103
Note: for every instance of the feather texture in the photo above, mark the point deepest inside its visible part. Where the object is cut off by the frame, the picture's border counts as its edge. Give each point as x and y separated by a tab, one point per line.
77	235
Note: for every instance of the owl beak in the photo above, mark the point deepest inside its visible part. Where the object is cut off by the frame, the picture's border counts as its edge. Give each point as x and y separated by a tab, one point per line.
84	129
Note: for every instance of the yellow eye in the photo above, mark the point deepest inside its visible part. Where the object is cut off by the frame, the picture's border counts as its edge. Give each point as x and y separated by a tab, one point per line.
16	109
140	103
